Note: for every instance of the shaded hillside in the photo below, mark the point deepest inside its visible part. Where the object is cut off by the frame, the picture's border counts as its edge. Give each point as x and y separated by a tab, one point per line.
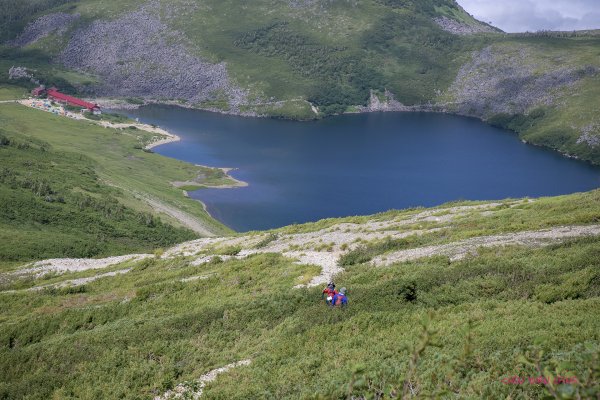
54	205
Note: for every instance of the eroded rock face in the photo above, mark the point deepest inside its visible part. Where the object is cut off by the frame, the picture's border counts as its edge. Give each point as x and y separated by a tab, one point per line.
509	81
44	26
458	28
590	135
138	55
19	73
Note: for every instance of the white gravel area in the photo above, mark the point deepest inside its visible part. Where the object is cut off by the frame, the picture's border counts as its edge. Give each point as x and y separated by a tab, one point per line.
61	265
459	250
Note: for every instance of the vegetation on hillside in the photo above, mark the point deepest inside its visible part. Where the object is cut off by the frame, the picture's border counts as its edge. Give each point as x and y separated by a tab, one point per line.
75	189
429	327
54	205
16	13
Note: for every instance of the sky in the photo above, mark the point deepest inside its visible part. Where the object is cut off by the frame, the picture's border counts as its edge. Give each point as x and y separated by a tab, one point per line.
534	15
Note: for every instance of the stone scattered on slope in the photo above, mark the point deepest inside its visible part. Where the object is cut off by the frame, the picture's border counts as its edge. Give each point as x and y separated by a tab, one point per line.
81	281
459	28
510	80
61	265
137	55
459	250
324	247
193	390
43	26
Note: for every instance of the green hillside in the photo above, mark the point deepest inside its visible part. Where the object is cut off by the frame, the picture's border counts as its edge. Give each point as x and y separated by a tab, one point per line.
306	59
53	206
74	189
451	321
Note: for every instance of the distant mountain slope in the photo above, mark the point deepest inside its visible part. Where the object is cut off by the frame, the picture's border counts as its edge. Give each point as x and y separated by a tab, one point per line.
288	58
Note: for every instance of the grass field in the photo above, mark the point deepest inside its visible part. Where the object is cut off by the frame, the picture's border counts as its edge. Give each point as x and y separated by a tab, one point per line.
431	327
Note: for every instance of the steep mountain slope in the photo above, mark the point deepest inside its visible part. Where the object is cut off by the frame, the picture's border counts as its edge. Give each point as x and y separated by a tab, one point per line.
462	300
305	59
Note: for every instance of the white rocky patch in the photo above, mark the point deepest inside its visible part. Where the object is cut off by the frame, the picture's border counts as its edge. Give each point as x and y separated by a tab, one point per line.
193	390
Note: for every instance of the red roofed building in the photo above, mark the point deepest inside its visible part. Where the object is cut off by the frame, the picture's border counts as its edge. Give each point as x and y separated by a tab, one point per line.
54	94
38	91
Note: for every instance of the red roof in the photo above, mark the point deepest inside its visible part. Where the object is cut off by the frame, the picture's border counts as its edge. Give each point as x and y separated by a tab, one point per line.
71	100
37	91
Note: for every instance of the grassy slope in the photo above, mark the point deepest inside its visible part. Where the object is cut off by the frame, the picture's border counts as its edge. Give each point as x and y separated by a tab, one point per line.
115	158
54	206
135	335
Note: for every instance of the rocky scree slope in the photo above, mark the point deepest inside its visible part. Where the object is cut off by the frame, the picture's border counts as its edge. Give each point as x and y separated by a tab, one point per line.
137	55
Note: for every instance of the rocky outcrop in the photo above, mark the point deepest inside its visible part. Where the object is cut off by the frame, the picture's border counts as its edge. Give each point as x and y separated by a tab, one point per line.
137	55
19	73
387	102
22	73
44	26
459	28
590	135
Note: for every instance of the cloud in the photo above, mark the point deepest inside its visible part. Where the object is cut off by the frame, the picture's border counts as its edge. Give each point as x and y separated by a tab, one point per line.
533	15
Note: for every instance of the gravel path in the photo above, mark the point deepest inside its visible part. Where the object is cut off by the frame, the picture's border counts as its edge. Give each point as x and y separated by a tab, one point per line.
324	247
459	250
186	219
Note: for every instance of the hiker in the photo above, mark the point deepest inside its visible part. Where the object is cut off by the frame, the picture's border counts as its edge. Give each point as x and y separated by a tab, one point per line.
340	299
328	293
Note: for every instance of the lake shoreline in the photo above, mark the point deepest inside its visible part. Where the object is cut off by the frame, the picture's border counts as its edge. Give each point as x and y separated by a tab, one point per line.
400	108
220	140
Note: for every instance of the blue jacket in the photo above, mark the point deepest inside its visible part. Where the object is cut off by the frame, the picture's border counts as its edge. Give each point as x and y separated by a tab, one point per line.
341	298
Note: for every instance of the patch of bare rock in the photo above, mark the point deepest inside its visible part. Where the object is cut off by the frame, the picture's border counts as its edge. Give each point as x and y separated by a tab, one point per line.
511	81
459	28
43	26
138	55
459	250
193	390
62	265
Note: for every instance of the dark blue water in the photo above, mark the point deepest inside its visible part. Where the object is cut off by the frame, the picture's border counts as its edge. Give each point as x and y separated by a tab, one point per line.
359	164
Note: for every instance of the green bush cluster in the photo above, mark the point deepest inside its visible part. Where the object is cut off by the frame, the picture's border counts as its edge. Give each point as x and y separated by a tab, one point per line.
341	77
